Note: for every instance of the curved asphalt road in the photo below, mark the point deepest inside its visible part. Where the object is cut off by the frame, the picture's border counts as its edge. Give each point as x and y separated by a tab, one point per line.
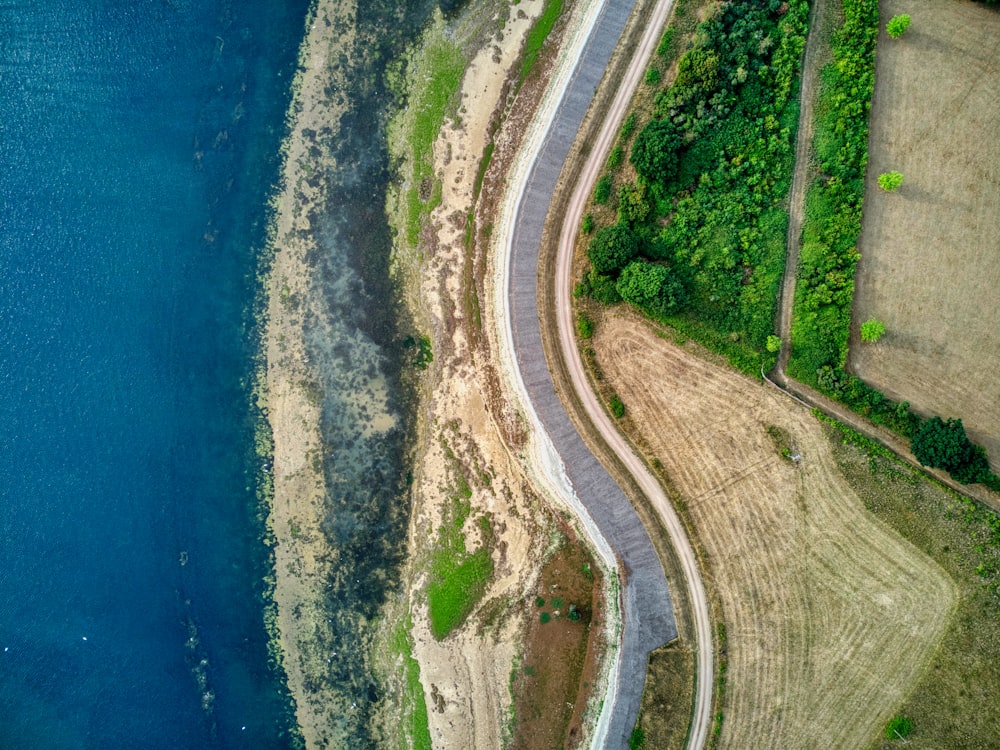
648	620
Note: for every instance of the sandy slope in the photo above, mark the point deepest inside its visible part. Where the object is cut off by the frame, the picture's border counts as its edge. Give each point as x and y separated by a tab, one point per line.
466	677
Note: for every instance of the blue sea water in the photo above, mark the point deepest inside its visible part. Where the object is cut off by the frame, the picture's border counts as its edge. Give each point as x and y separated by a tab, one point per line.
138	146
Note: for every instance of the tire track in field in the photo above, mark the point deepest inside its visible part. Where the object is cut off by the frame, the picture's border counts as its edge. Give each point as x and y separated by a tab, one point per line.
830	617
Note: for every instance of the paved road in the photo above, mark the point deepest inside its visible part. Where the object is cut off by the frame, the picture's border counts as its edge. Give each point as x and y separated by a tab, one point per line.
648	619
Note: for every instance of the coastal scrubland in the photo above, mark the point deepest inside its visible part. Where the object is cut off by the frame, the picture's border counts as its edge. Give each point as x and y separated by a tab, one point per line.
690	219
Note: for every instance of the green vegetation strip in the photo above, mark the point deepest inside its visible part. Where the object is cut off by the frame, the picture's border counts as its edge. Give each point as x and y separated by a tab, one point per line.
536	38
699	241
429	101
825	285
416	728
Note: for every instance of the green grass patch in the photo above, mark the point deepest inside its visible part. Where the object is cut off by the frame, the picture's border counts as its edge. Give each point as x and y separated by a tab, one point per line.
484	164
458	577
898	728
431	96
415	706
536	38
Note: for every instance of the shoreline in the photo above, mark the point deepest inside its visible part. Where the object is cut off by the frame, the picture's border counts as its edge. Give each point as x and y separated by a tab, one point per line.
302	561
469	431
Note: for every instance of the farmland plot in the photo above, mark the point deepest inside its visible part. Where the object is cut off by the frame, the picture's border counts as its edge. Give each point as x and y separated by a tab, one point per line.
930	252
830	617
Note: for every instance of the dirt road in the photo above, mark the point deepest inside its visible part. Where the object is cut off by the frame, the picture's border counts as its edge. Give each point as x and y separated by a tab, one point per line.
646	481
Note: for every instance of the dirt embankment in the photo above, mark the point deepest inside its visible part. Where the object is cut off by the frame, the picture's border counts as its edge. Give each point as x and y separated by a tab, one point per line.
471	431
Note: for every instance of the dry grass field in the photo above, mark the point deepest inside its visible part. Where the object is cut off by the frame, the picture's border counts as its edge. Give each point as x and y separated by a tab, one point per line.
830	617
930	253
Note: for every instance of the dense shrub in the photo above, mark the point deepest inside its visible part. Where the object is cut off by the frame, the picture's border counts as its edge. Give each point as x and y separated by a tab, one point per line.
714	168
650	287
612	248
602	190
654	152
944	445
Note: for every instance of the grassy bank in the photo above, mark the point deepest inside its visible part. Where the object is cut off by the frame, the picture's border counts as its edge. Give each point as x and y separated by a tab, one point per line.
954	703
431	97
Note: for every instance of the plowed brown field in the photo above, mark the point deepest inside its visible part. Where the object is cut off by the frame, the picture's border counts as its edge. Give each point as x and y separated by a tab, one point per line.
830	617
930	253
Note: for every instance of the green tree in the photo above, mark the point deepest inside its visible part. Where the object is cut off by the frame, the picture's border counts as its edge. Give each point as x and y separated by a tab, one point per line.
890	181
654	153
897	25
774	344
944	445
612	248
872	330
651	287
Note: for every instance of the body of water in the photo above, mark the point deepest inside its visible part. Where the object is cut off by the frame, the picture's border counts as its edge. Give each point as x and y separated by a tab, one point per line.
138	147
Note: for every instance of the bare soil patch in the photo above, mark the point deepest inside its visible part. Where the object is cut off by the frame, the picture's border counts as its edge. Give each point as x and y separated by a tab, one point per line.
830	618
563	638
929	251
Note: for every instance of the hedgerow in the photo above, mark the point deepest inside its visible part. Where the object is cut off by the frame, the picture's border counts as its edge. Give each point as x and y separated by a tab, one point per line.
828	257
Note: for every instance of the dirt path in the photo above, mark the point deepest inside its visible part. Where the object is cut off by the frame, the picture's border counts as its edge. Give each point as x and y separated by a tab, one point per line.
800	182
650	486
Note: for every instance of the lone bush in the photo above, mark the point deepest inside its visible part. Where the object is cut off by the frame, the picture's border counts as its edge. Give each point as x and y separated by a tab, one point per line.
890	181
899	727
897	25
602	190
872	330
